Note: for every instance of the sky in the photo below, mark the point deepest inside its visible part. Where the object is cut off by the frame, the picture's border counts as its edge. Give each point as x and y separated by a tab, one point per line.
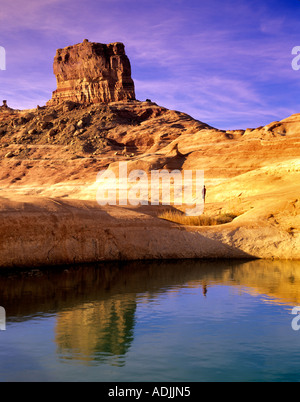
225	63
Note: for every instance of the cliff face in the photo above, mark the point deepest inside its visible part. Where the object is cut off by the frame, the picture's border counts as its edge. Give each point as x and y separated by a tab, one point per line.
50	158
92	73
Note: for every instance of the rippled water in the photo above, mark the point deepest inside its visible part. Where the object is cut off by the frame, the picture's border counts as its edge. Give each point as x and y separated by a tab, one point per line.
152	321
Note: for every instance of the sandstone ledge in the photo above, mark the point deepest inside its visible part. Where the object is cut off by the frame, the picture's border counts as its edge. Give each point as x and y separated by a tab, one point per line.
46	232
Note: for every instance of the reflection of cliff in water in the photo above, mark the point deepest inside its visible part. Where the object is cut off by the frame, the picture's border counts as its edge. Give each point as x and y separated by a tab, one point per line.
95	305
29	293
278	280
98	331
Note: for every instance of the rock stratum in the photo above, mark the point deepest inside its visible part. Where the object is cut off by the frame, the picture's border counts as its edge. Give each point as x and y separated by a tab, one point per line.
50	157
92	72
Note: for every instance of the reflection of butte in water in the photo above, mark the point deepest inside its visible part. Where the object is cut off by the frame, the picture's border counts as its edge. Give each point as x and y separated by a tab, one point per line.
106	327
96	306
97	330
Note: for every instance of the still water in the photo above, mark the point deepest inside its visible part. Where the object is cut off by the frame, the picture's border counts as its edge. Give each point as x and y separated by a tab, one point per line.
152	321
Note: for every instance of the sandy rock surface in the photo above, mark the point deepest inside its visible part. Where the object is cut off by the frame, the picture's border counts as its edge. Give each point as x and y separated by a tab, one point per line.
50	157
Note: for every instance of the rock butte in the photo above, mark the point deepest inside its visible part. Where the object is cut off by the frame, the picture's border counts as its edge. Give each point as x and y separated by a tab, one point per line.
50	156
92	72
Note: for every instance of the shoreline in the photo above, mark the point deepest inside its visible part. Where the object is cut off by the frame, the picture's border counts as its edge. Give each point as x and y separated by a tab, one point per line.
48	232
51	158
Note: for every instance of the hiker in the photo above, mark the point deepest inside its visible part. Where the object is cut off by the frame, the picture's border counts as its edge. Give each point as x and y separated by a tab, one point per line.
203	193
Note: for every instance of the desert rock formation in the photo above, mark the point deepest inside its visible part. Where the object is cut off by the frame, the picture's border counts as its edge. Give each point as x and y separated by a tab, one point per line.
92	72
50	157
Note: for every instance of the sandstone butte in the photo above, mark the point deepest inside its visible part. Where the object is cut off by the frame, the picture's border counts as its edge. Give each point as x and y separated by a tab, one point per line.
92	73
50	157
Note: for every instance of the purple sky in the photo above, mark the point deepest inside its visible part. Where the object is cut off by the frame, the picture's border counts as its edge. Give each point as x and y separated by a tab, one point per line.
227	63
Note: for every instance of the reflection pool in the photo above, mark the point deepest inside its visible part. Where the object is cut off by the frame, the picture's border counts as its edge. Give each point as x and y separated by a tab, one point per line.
188	320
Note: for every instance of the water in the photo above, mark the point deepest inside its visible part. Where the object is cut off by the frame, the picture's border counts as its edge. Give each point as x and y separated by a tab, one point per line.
152	321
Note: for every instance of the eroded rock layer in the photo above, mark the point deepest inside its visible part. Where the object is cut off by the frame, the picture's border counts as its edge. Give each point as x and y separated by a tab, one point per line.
91	72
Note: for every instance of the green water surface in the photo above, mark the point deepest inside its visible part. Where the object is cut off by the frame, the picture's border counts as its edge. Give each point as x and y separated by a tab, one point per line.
152	321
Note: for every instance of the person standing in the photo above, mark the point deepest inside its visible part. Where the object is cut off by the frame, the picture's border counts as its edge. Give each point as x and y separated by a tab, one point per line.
203	193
